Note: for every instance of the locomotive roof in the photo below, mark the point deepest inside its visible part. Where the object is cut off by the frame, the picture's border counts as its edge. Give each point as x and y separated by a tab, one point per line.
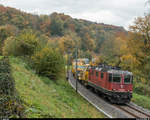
110	69
119	72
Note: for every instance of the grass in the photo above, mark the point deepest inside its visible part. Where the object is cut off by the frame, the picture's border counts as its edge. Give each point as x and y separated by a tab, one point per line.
1	57
141	100
45	98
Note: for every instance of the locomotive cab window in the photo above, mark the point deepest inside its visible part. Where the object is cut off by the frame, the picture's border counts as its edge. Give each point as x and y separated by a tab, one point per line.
128	79
117	78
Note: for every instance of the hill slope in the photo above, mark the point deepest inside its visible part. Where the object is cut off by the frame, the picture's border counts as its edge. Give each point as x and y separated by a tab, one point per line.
91	34
45	98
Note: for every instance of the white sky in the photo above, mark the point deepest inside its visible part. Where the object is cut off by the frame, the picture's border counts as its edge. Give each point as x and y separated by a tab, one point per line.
115	12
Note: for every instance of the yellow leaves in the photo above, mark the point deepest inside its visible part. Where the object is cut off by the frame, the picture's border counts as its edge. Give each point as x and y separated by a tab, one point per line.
129	61
67	43
89	42
143	80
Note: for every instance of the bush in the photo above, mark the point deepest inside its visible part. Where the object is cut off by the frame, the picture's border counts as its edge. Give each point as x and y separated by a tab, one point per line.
10	105
6	81
48	62
9	47
142	89
6	31
24	44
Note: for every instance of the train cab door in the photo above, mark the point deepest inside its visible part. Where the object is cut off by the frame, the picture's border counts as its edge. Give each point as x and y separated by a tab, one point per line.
102	82
105	83
94	77
90	74
108	80
97	78
122	82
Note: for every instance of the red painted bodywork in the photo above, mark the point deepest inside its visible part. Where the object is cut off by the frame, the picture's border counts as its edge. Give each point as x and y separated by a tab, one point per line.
105	84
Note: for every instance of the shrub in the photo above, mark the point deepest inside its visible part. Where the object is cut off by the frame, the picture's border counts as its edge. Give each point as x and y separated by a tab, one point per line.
9	47
48	62
142	89
6	81
10	104
6	31
24	44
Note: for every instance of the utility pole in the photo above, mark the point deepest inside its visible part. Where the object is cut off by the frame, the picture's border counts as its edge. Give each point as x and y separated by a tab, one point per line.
68	58
69	55
76	69
67	66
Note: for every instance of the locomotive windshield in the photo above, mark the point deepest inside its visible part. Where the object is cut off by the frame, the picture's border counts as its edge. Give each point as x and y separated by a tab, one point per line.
115	78
128	79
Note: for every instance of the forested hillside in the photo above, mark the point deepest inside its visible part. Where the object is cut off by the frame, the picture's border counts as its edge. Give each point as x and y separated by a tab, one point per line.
44	38
89	35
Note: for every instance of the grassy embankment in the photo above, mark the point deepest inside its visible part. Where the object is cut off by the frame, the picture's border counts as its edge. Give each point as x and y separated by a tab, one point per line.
141	100
44	98
1	57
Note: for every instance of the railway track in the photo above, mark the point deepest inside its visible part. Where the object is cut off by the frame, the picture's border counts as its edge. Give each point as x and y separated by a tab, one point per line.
147	115
110	110
136	113
131	109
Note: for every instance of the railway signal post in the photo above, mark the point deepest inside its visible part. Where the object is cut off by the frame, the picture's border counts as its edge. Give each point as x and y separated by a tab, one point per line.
67	66
68	61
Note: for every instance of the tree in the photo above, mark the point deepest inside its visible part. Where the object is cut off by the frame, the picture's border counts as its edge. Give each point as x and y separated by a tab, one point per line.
114	49
45	24
140	39
87	42
142	28
23	44
6	31
57	25
48	62
27	42
68	43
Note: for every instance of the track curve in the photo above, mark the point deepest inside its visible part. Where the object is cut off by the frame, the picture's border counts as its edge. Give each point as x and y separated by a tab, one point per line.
110	110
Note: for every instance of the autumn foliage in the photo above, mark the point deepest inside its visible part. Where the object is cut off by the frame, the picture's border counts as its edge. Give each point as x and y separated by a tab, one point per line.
48	62
46	38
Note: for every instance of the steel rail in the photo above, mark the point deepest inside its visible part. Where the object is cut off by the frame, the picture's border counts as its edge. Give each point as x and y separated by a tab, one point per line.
138	110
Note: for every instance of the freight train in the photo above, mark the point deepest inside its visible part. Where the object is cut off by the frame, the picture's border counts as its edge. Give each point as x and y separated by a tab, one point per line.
112	82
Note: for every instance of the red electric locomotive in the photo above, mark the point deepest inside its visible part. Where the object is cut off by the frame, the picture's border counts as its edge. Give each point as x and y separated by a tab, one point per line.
114	83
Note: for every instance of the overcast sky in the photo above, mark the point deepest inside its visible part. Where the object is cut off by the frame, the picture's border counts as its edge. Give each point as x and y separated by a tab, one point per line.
115	12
